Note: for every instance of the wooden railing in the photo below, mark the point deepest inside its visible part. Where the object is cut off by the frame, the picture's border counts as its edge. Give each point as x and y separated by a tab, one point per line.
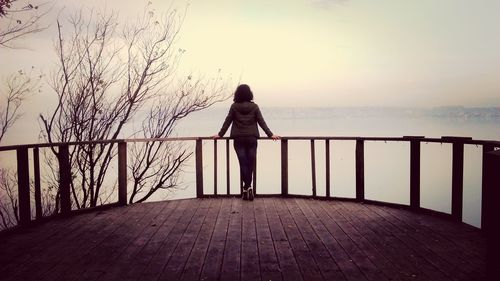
415	144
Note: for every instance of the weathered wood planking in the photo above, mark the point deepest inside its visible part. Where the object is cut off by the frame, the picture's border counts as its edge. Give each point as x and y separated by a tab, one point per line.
231	239
288	265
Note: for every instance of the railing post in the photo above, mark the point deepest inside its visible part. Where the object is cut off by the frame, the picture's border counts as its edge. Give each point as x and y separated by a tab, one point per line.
360	170
415	174
313	168
38	192
255	176
457	182
491	210
23	186
327	165
215	166
284	167
64	179
199	168
486	148
122	173
228	174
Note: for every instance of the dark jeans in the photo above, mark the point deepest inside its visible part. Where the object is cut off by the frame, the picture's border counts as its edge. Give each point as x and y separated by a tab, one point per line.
246	149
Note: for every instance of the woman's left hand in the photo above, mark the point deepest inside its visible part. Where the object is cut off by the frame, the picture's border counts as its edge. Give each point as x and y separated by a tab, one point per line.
275	137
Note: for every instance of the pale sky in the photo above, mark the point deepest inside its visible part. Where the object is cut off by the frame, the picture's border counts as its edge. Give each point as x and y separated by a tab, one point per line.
324	53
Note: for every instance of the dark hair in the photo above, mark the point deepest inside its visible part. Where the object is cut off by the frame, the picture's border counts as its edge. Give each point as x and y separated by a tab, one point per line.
243	93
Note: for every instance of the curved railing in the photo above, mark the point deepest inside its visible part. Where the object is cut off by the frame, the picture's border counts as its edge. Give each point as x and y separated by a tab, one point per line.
488	146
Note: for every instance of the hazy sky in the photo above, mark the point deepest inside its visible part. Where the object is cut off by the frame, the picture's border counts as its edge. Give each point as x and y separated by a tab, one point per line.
325	53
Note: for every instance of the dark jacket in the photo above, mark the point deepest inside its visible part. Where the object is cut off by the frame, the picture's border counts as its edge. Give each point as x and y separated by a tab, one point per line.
244	116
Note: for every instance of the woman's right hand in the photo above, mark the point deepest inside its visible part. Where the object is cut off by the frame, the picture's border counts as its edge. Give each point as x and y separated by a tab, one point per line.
216	137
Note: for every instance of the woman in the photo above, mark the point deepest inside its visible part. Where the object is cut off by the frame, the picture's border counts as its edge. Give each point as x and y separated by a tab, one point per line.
244	114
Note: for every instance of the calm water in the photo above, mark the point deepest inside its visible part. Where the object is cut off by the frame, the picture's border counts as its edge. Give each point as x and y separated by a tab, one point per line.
386	164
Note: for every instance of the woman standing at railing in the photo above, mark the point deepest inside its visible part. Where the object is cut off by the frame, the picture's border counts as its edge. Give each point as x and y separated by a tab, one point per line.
244	114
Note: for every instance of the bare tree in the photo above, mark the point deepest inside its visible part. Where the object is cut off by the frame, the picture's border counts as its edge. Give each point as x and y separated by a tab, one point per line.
14	91
156	164
18	20
9	207
104	78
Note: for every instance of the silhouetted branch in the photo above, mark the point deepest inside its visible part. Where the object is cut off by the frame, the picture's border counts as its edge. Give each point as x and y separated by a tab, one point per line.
18	20
14	91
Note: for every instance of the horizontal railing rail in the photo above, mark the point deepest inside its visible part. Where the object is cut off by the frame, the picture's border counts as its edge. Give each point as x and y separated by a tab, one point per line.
458	143
444	139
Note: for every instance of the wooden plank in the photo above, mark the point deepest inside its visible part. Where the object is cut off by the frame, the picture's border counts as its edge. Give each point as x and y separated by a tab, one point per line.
17	250
250	268
360	170
135	257
194	264
126	242
457	185
356	245
415	174
447	230
287	263
460	236
382	240
446	255
96	263
327	168
269	267
23	186
95	245
232	252
175	265
381	246
54	259
313	168
64	179
213	263
438	252
122	173
307	264
199	168
284	167
328	267
36	179
149	265
425	263
353	263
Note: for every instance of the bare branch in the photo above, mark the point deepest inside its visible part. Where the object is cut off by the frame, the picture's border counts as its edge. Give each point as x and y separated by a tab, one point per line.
17	87
17	21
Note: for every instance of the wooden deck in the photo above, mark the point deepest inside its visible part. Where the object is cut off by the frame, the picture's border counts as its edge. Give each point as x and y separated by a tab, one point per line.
231	239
